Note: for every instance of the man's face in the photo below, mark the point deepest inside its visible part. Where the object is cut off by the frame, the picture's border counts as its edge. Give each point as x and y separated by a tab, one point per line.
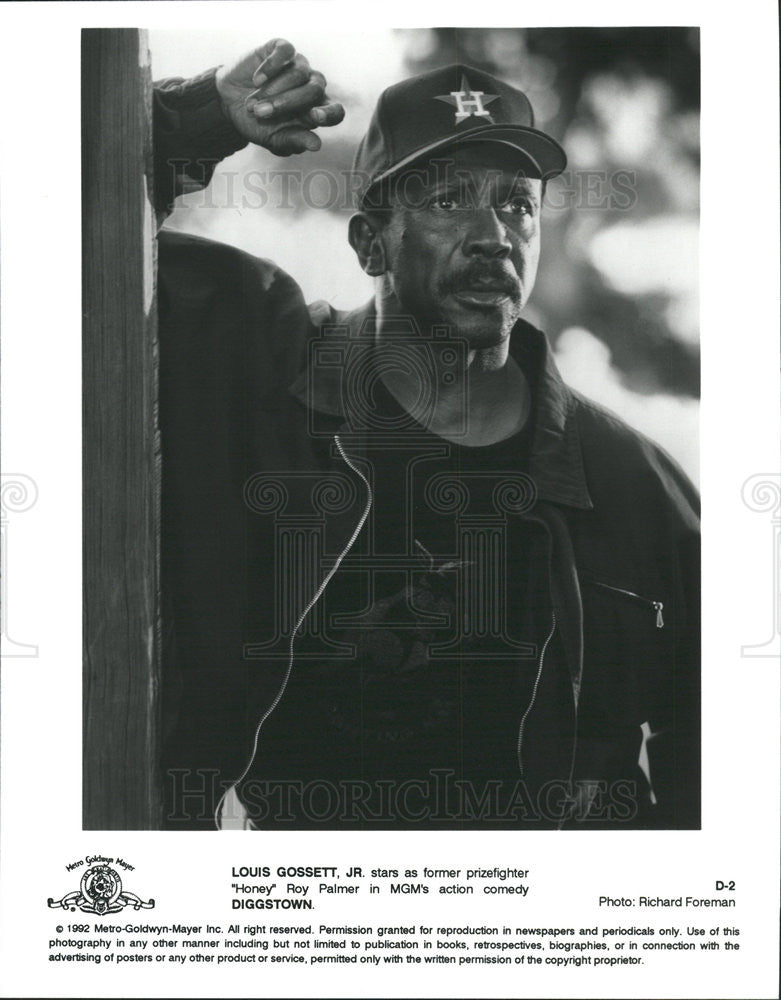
463	242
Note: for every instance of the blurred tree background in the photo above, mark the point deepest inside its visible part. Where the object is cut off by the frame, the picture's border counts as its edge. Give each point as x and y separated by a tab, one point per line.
617	291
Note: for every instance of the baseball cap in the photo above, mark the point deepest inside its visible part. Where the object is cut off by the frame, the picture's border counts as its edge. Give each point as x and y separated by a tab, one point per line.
449	106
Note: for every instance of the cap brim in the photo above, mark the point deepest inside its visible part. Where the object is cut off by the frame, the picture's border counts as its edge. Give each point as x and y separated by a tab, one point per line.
546	155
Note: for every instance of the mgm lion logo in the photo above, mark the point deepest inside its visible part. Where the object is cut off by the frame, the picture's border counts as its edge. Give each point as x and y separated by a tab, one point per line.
100	892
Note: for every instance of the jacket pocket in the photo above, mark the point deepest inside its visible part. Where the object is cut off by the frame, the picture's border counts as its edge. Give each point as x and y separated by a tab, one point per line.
653	605
628	662
627	682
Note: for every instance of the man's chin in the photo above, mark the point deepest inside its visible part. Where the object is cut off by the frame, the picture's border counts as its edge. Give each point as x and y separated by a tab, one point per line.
481	326
480	334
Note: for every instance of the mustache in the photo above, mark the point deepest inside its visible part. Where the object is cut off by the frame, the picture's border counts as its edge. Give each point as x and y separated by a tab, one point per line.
494	277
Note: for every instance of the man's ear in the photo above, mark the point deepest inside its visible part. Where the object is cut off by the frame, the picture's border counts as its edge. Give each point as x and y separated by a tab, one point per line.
365	236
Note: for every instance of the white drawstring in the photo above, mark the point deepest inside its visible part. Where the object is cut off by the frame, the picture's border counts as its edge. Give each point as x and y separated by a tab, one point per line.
302	616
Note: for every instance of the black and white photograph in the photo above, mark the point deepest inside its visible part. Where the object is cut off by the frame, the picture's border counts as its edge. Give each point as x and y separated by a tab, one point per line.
427	390
390	515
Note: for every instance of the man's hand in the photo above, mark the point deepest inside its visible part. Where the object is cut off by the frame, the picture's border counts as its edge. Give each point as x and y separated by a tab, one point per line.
274	99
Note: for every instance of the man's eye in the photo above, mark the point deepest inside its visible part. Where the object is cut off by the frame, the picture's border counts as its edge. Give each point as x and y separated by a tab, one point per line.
445	203
517	206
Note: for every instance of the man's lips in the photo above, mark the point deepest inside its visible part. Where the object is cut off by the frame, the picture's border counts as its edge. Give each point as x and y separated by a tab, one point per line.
482	298
485	294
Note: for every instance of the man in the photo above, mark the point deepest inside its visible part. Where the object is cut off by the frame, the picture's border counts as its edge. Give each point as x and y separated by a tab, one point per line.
410	579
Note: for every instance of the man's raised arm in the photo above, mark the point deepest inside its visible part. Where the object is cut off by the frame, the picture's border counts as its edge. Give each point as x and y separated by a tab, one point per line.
271	97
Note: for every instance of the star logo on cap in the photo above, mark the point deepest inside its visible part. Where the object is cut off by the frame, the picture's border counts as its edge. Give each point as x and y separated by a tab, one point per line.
467	102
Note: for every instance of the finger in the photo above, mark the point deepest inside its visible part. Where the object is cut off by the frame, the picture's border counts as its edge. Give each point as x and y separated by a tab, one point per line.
294	75
290	79
289	141
280	52
325	115
292	102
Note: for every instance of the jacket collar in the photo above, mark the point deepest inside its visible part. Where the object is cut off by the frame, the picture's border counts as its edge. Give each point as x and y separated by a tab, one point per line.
556	464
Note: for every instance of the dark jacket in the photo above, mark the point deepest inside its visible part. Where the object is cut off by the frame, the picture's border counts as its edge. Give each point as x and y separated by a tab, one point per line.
254	432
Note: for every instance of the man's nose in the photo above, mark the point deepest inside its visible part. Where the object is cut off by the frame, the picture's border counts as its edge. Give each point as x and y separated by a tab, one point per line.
486	235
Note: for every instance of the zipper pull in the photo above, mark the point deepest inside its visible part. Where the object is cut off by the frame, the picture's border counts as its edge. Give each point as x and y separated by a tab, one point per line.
659	620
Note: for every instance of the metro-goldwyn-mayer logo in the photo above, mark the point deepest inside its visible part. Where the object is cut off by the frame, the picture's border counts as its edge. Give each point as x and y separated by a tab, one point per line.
100	890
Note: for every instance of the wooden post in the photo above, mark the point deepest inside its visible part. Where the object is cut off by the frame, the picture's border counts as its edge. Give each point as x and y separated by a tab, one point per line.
120	445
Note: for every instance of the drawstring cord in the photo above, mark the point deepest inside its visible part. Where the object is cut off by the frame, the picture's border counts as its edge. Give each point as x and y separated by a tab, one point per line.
301	617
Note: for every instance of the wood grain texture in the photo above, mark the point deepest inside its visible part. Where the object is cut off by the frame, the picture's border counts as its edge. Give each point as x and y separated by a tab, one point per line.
120	442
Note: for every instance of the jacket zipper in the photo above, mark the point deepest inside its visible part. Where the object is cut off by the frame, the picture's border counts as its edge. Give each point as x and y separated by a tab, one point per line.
657	606
534	692
318	594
